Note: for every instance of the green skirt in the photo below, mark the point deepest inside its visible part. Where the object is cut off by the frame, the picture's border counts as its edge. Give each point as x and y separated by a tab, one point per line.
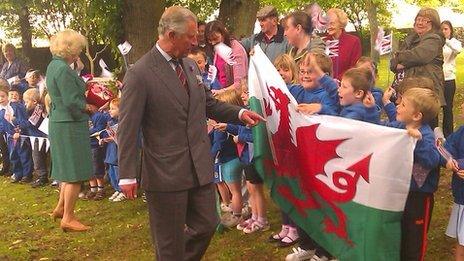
70	151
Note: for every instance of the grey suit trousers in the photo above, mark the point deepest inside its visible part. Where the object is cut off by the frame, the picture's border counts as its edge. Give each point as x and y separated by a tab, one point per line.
171	212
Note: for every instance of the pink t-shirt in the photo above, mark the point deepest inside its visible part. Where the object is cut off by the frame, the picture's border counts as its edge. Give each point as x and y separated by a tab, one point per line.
239	69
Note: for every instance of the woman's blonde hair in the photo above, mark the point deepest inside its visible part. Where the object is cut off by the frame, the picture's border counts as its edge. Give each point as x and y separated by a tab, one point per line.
286	62
231	96
8	46
341	15
67	43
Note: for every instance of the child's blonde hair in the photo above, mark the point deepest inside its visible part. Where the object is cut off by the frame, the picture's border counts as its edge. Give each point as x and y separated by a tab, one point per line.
286	62
115	102
425	101
360	79
4	86
32	94
324	62
232	96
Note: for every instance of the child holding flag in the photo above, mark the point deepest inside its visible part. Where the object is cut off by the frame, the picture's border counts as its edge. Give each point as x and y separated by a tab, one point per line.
112	151
455	146
36	112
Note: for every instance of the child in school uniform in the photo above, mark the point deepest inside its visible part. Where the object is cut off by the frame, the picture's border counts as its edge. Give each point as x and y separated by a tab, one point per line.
288	234
36	113
112	151
244	141
199	56
368	63
418	107
354	87
231	168
455	145
97	122
19	147
312	98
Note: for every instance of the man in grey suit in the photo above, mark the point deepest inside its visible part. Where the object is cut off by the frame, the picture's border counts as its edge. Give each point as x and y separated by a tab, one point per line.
164	97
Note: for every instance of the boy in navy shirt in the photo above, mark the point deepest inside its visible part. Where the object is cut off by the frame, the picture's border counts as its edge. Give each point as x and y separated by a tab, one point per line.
36	113
417	109
112	151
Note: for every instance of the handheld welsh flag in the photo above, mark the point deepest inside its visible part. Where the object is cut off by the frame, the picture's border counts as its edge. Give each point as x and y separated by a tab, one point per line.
345	182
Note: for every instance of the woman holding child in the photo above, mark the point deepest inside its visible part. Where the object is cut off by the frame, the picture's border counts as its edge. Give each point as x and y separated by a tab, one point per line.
68	129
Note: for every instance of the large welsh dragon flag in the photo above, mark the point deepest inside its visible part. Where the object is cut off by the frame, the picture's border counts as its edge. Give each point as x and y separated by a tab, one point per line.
344	181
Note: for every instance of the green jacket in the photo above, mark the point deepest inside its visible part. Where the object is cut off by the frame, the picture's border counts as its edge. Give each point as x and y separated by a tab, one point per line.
67	92
423	56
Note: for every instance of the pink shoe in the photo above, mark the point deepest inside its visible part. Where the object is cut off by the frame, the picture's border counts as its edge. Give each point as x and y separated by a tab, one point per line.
242	225
256	226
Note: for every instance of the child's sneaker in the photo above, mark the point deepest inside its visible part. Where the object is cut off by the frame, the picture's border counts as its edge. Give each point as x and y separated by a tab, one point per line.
256	226
317	258
300	254
242	225
115	194
231	220
120	197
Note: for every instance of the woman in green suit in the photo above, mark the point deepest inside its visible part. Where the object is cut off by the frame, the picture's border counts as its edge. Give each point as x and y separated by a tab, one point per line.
68	129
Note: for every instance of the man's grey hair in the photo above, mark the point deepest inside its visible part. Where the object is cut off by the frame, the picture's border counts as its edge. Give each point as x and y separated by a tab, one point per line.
175	18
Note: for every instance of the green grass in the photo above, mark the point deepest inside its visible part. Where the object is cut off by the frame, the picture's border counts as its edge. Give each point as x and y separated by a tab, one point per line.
120	230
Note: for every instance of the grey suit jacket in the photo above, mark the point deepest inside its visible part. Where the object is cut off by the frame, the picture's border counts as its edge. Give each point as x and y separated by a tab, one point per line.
176	147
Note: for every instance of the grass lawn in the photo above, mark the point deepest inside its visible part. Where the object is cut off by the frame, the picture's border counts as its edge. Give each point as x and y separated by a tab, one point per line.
120	230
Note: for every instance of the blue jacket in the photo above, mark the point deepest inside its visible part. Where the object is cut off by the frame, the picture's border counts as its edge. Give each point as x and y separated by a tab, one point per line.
390	110
455	145
315	95
358	111
425	154
245	136
111	147
223	144
378	95
97	122
331	87
34	121
214	85
21	119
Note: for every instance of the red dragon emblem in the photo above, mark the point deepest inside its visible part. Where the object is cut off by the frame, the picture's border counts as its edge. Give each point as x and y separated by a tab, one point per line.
306	161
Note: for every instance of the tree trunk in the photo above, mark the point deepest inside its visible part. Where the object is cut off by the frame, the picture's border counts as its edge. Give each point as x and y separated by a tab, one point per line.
140	21
26	32
239	16
371	9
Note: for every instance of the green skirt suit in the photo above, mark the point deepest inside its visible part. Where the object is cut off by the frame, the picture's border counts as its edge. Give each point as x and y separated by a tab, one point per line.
68	124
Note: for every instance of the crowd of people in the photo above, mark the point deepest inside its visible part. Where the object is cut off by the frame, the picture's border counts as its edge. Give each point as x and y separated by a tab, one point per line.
162	117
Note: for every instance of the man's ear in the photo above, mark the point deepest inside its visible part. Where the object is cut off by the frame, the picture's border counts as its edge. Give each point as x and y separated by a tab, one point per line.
171	34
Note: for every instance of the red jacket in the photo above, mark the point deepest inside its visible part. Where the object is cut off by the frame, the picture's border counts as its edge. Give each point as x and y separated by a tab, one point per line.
349	52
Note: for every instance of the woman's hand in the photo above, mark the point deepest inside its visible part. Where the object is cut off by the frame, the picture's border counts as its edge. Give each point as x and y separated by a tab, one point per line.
399	67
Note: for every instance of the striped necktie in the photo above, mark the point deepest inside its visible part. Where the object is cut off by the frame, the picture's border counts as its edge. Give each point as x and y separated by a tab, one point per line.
180	74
